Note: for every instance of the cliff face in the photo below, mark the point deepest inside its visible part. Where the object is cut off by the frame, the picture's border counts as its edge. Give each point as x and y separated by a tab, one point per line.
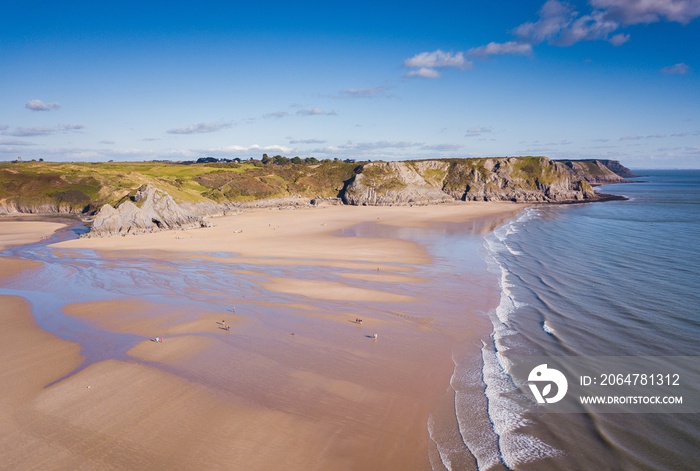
392	183
598	171
149	210
10	206
527	179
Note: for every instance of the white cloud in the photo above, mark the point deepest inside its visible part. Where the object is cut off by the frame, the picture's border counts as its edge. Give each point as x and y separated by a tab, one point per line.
492	48
200	128
436	59
38	105
676	69
631	12
619	39
426	63
315	112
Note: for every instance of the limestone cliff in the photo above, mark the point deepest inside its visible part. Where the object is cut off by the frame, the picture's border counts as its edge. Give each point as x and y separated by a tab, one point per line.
598	171
392	183
148	210
523	179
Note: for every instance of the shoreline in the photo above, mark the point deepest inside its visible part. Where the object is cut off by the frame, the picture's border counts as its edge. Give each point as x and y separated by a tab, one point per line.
325	379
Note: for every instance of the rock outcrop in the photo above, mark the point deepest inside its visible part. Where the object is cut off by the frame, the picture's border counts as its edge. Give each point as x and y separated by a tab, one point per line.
522	179
148	210
394	183
12	206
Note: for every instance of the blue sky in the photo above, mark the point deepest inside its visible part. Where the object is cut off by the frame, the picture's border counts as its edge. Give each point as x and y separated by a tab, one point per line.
122	80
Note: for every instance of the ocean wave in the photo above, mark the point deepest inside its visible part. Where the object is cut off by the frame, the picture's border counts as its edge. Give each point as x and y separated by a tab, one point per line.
502	396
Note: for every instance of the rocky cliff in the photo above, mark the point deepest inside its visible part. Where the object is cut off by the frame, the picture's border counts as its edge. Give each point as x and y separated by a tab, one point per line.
598	171
392	183
147	210
522	179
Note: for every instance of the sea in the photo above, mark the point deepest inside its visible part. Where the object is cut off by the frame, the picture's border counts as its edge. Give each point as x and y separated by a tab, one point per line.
614	278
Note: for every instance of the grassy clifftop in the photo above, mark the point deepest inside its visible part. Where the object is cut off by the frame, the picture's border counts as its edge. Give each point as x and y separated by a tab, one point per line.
84	187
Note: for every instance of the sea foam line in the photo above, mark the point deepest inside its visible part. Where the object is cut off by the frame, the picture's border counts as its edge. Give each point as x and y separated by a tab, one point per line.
505	413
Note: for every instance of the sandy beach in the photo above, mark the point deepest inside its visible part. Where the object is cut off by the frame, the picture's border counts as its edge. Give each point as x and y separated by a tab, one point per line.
272	374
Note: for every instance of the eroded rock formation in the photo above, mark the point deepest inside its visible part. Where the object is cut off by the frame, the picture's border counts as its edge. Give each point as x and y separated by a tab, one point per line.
148	210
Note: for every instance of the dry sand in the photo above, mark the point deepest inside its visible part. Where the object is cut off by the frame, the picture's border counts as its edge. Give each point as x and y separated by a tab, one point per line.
295	384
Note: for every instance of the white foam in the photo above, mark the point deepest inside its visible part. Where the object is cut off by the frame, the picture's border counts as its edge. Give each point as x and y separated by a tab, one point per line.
472	415
547	328
508	416
503	398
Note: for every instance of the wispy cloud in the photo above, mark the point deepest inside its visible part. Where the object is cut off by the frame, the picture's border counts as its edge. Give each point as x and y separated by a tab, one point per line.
371	92
560	24
315	112
201	128
276	114
365	146
307	141
477	131
631	12
38	105
442	147
14	142
676	69
635	137
492	49
43	131
424	72
245	150
426	64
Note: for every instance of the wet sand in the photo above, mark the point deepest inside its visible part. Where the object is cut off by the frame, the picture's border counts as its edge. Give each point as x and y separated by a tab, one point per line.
294	384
